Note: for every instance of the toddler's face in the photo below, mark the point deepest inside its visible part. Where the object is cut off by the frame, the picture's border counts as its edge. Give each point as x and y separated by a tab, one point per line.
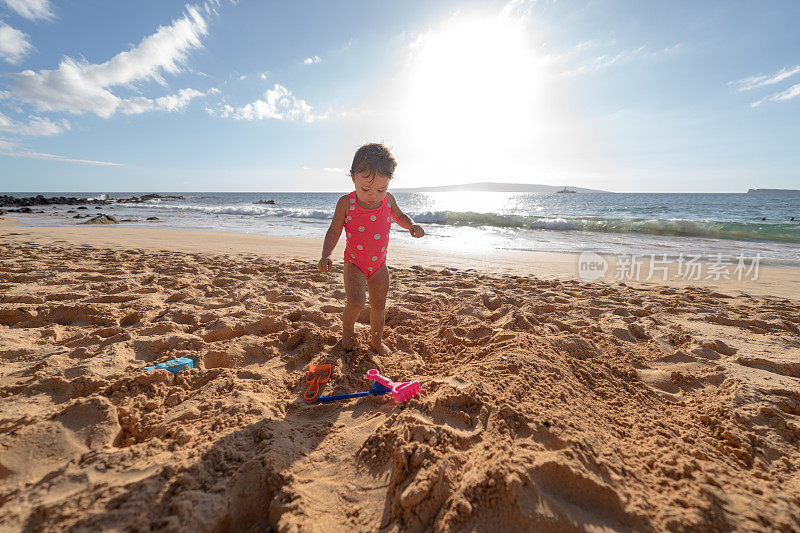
371	189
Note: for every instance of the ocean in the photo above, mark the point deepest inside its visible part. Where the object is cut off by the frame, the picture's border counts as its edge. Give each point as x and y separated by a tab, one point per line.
706	226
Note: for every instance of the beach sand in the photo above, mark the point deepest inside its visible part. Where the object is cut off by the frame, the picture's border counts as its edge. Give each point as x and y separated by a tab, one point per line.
547	404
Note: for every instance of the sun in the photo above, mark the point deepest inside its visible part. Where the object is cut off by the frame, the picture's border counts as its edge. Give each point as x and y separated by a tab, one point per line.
476	95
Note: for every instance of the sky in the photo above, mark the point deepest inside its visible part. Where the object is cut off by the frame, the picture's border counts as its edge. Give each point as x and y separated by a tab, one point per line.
216	95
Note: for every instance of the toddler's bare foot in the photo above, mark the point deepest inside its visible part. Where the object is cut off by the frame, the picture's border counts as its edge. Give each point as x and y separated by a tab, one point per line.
348	340
376	344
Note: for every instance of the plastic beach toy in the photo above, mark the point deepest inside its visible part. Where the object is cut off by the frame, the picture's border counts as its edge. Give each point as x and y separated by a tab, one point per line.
400	391
173	365
375	390
317	374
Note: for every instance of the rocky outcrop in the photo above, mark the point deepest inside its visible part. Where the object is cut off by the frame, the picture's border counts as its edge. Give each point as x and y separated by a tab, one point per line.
146	197
13	201
102	219
9	201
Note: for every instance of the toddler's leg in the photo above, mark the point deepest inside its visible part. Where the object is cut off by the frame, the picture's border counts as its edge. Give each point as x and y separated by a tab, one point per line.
355	287
378	286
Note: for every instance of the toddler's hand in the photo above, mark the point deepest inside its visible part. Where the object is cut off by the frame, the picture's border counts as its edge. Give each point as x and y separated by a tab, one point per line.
325	264
416	231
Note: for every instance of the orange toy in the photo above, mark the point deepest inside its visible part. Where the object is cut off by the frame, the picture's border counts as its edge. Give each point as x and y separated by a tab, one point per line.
317	374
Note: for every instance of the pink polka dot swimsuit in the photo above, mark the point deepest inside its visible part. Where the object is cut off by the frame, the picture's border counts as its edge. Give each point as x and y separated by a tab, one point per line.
367	235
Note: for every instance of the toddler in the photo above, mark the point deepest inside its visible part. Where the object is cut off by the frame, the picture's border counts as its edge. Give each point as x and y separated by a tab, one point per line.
366	215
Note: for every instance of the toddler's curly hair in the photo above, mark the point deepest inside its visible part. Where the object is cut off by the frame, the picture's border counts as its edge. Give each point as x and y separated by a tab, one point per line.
375	158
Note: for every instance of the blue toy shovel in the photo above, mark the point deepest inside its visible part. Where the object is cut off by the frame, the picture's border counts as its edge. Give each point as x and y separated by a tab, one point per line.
375	390
173	365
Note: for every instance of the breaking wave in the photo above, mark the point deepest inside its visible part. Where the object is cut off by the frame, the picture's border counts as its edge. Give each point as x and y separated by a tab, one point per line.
778	232
675	227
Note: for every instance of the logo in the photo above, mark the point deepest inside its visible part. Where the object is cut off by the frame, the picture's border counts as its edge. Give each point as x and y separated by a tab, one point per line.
591	266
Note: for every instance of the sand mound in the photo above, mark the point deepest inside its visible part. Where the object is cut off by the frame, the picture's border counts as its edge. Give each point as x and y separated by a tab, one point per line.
546	405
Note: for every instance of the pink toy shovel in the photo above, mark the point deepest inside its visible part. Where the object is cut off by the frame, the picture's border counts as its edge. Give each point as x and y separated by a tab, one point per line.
400	391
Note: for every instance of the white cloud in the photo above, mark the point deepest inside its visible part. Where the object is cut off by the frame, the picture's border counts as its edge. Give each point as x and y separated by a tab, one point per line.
14	44
788	94
80	87
170	103
312	60
242	77
31	9
263	76
135	106
606	60
420	40
278	103
212	9
35	126
763	80
586	45
577	60
515	9
177	102
334	169
12	149
753	82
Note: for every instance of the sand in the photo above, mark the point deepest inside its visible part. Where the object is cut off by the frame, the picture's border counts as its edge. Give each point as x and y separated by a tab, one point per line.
784	282
547	404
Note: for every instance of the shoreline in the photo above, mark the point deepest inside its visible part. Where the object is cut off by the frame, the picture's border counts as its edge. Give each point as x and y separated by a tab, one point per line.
773	281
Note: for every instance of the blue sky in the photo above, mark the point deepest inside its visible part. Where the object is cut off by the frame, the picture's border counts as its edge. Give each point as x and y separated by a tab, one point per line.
276	96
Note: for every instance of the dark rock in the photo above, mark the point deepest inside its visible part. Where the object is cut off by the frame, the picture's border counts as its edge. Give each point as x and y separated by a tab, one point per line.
146	197
71	211
153	218
21	210
102	219
270	202
98	207
9	201
83	207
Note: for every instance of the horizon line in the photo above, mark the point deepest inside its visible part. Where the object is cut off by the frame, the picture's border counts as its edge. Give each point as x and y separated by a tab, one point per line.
150	191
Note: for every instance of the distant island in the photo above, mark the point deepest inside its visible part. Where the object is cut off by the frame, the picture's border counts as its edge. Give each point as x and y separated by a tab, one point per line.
488	186
773	191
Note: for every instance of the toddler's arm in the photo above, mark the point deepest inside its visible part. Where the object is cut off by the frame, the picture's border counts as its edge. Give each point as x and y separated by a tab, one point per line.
334	232
403	220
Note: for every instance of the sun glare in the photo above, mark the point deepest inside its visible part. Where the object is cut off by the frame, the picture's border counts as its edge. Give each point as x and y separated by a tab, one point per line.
476	95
